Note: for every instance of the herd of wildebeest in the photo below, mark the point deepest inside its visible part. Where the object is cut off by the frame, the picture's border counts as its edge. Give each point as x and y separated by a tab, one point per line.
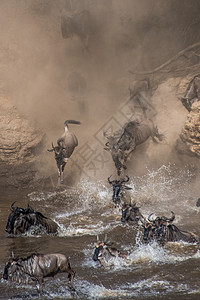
121	144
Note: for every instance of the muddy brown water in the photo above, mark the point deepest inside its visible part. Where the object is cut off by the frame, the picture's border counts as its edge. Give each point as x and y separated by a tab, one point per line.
85	211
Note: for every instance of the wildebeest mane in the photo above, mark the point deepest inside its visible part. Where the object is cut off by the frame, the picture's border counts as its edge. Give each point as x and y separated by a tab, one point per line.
175	234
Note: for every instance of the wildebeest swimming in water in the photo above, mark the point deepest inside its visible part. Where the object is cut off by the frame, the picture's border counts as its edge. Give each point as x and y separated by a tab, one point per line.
192	93
22	220
134	134
104	251
36	267
65	147
118	185
79	24
162	230
131	213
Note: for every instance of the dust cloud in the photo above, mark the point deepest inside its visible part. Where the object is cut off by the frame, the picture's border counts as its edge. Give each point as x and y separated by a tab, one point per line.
37	64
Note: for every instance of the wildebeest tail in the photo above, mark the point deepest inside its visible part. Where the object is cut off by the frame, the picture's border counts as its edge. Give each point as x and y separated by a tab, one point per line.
72	122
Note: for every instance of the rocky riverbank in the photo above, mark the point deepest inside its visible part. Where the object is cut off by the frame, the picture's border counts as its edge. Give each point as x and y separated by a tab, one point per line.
20	146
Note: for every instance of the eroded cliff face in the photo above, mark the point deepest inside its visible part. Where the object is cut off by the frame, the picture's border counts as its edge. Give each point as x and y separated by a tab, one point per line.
189	142
20	145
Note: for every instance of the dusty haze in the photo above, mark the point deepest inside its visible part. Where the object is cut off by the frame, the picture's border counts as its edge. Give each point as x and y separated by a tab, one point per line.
36	62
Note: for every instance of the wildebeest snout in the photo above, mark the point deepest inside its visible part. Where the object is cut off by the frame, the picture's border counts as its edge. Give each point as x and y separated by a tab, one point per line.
123	218
96	253
116	190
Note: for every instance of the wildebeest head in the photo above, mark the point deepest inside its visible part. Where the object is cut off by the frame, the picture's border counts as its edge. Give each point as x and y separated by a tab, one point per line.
10	267
130	212
98	250
117	185
156	228
15	213
104	250
149	229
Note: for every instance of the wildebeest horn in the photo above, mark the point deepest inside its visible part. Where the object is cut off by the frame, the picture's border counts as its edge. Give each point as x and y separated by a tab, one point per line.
122	181
127	187
109	179
12	205
172	217
72	122
149	218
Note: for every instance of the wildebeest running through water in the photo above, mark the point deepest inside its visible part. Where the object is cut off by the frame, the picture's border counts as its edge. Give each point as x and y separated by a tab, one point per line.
131	213
22	220
104	251
162	230
65	147
118	186
36	267
134	134
79	24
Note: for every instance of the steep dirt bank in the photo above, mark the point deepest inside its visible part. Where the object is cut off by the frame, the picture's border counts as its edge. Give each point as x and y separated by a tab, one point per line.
20	145
131	41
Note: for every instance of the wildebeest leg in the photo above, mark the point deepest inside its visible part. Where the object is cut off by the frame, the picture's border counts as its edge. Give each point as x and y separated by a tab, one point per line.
59	172
40	285
126	155
62	172
68	269
117	162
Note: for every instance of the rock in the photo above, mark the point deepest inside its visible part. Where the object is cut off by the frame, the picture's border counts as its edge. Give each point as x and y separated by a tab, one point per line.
189	141
20	145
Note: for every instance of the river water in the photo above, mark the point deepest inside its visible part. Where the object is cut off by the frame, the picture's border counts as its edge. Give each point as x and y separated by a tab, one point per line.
85	211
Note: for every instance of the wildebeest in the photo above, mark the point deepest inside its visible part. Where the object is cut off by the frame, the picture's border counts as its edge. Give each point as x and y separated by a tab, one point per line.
64	149
36	267
131	213
162	230
105	251
140	97
118	185
79	24
134	134
192	93
22	220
